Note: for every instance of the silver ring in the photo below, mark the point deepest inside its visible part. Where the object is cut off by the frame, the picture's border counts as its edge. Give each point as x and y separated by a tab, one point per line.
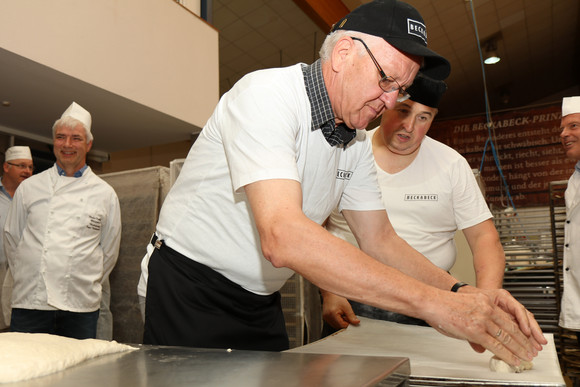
498	333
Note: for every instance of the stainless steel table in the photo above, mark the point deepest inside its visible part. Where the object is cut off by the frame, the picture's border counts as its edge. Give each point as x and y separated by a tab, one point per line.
177	366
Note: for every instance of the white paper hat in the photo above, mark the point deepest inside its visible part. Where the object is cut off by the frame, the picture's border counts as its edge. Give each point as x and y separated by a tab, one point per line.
570	105
17	153
76	111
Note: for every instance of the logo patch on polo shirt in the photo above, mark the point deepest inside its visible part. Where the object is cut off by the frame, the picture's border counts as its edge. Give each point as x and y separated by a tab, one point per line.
343	175
421	197
417	28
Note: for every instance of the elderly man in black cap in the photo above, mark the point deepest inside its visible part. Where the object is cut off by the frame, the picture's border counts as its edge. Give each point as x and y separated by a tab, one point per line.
429	192
282	149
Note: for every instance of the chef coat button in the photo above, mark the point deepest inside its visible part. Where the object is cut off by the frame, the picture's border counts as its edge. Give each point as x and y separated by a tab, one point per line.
566	245
567	269
568	221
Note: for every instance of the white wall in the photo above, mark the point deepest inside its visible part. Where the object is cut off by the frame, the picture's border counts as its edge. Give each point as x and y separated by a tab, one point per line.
154	52
193	5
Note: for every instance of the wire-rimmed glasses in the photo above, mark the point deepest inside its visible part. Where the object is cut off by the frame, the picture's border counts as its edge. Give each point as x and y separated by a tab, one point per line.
387	83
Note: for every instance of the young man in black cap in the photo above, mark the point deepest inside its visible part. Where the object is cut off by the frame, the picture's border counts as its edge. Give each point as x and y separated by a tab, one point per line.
279	153
429	192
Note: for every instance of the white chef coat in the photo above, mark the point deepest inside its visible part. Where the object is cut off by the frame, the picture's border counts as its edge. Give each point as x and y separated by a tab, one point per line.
570	308
5	201
61	239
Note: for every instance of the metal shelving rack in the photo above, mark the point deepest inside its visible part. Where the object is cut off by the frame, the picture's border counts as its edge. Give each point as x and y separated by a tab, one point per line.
530	276
533	240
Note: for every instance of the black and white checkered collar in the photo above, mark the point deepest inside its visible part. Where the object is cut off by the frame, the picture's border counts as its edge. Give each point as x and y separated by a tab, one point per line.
321	109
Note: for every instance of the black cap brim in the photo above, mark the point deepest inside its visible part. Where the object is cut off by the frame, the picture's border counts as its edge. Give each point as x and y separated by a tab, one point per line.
434	65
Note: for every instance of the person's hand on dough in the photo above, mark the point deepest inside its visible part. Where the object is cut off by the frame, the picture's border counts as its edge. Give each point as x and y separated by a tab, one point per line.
337	311
488	319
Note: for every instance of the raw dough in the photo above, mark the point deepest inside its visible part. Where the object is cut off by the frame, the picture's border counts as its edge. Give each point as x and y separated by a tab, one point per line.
498	365
29	355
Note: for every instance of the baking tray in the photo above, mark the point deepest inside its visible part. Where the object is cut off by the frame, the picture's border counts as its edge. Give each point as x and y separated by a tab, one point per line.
436	360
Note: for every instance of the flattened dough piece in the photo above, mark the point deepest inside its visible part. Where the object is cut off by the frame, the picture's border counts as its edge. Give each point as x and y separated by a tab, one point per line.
498	365
29	355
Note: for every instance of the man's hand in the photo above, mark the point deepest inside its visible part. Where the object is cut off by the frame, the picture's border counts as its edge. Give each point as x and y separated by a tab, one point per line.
524	318
337	311
489	319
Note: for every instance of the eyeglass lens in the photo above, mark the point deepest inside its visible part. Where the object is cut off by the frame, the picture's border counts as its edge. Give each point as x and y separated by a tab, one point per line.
23	166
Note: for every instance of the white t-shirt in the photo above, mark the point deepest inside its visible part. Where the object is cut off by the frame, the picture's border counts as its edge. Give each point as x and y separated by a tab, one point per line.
260	129
428	201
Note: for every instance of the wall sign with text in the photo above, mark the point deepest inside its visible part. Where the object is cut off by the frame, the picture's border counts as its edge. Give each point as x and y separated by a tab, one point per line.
528	144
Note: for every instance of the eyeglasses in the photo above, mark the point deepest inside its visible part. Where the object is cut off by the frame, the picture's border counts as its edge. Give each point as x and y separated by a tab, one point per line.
22	166
387	83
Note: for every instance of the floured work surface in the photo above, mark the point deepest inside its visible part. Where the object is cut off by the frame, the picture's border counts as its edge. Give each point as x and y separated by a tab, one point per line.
436	358
25	356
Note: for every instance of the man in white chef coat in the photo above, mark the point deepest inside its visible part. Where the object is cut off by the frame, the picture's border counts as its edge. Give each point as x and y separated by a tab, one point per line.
570	136
62	238
18	166
279	153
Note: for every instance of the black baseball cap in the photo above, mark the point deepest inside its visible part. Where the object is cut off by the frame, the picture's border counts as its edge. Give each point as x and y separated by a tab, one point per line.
427	91
401	26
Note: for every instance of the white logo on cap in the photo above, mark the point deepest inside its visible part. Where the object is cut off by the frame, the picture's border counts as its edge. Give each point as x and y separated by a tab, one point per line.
417	28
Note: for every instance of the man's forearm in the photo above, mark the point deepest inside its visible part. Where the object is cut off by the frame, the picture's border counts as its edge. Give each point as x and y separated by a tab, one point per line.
489	269
399	254
488	255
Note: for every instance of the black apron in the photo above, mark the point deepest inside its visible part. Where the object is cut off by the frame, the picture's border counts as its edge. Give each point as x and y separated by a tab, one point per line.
190	304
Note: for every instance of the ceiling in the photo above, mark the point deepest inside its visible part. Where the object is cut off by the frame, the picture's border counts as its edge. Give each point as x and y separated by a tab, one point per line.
38	95
539	46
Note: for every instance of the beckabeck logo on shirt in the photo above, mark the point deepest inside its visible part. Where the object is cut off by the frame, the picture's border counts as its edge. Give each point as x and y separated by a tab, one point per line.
417	28
421	197
343	175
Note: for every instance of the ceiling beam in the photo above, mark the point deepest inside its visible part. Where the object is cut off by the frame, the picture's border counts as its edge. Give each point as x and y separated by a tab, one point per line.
324	13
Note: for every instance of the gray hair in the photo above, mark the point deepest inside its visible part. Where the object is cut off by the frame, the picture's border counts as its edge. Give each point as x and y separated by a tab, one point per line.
334	37
69	122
